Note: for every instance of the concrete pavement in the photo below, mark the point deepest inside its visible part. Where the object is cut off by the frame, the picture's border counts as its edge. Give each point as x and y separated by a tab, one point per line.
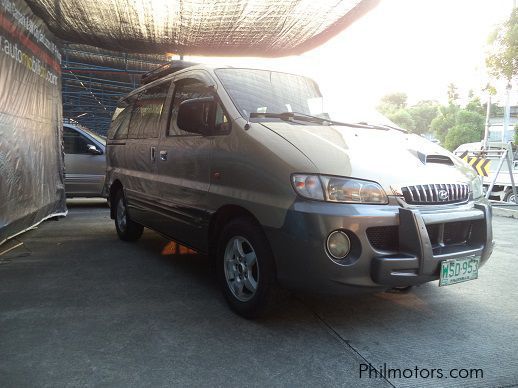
78	307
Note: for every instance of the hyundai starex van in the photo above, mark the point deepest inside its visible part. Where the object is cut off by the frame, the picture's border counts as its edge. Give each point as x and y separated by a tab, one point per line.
244	165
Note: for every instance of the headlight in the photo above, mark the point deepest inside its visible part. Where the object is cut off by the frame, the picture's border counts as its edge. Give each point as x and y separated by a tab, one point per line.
336	189
477	188
308	186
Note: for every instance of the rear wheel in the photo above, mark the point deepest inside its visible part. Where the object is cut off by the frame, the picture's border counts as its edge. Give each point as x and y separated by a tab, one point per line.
245	267
127	229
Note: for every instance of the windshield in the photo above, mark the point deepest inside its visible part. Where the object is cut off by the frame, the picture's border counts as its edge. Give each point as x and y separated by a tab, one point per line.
100	138
270	92
263	91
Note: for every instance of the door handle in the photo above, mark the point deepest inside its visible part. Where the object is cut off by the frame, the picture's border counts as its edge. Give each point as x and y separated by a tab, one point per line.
163	155
153	154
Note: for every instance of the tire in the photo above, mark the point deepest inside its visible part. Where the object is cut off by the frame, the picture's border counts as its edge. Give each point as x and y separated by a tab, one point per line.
127	230
509	196
245	267
400	290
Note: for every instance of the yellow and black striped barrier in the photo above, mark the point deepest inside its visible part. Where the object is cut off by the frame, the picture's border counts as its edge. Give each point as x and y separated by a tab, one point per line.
478	162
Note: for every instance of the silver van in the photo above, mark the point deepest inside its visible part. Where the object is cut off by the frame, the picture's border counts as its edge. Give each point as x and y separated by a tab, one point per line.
244	165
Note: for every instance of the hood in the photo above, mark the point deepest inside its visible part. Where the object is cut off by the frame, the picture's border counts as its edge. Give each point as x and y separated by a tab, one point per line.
392	158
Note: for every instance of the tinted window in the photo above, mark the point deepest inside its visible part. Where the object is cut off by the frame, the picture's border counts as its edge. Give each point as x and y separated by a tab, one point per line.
186	90
147	110
120	120
74	143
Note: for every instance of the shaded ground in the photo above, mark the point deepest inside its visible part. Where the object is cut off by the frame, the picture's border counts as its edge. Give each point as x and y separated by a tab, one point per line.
80	307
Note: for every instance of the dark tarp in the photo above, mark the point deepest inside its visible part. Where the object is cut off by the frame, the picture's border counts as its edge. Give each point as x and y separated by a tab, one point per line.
31	161
95	79
266	28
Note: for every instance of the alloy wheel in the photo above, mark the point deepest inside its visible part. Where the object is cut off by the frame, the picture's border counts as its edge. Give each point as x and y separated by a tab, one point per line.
241	268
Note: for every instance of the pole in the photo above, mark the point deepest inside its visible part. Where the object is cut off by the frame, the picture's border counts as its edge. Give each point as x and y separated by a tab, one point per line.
507	112
510	166
488	113
500	163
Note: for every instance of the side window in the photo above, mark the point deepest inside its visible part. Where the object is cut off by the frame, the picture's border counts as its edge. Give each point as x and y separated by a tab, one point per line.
147	111
74	142
120	120
185	89
222	124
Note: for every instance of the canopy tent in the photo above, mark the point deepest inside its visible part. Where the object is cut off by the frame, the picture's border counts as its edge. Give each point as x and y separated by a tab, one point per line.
108	44
266	28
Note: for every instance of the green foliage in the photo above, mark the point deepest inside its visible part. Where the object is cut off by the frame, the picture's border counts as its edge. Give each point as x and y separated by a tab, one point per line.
444	120
502	60
468	128
422	114
402	118
451	124
460	134
392	102
416	118
516	134
473	119
474	105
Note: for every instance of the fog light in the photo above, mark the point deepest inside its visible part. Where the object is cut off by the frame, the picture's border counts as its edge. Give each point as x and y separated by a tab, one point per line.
338	244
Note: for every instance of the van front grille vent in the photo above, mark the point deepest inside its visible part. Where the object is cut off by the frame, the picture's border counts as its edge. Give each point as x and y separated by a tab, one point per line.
433	194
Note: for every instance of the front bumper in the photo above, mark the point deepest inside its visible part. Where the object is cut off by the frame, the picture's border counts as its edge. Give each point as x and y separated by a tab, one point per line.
413	256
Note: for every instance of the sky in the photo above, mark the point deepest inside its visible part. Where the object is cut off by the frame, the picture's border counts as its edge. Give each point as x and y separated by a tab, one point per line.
413	46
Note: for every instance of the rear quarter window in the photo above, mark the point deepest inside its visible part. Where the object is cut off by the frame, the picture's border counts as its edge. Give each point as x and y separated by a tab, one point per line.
120	120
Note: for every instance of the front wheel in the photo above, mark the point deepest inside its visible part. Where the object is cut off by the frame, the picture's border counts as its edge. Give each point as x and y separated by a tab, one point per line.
245	268
509	196
127	229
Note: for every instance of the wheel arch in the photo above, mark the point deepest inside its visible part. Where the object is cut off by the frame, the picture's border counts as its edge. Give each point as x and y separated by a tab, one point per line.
114	187
221	217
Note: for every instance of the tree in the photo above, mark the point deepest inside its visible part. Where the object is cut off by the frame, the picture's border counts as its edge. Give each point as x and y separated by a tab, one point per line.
502	59
444	120
390	103
422	114
453	96
473	119
468	128
402	118
474	105
460	134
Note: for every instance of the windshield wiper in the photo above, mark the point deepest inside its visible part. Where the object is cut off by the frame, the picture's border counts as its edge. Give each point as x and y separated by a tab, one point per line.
382	126
292	116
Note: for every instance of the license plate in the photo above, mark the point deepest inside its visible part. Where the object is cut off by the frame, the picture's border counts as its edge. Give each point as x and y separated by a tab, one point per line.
459	270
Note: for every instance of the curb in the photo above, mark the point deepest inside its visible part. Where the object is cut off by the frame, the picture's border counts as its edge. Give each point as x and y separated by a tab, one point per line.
503	212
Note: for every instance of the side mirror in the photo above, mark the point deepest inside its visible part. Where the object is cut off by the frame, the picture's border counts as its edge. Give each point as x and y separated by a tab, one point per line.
94	150
196	115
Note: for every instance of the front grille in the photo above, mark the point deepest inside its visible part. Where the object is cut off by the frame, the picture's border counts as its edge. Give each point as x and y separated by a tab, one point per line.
442	236
436	193
384	238
457	232
433	233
